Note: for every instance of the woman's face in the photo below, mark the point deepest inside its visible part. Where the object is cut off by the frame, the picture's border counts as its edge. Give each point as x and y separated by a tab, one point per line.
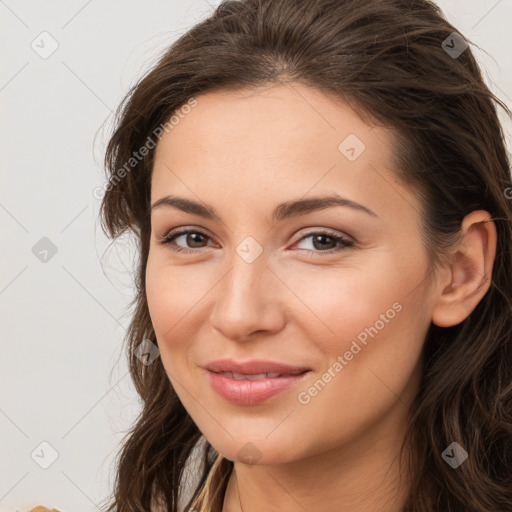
266	280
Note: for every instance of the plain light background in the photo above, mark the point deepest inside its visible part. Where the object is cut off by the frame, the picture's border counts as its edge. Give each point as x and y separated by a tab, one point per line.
63	373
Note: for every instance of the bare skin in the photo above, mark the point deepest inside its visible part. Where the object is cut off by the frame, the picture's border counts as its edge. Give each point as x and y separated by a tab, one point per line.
300	302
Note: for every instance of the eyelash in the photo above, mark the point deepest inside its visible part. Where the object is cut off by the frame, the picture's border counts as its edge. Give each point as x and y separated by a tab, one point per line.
345	242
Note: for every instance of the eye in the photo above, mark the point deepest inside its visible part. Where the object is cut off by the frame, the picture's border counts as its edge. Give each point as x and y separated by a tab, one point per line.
190	236
320	241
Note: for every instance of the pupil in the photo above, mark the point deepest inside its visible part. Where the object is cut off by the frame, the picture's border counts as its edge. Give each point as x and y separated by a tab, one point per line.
193	236
320	237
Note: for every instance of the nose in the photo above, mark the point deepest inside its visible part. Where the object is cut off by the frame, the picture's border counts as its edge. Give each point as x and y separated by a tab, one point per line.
249	299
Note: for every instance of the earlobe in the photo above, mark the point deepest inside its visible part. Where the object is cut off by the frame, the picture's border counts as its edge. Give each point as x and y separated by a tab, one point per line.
470	271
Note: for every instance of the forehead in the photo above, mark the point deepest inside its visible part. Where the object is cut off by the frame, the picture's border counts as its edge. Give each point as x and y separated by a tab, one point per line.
269	121
274	141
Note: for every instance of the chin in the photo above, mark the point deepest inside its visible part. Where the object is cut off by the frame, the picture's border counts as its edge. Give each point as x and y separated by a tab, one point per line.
253	451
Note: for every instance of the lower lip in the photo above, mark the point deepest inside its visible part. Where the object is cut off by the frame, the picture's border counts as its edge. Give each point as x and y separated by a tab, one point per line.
250	392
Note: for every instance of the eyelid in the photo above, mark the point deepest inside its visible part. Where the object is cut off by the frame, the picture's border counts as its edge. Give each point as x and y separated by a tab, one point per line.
313	230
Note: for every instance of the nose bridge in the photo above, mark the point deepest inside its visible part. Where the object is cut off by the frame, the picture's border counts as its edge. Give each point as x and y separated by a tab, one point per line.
247	282
248	269
247	299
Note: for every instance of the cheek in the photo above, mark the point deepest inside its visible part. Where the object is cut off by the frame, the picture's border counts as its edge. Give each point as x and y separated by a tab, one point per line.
174	296
166	306
369	326
172	293
369	363
348	304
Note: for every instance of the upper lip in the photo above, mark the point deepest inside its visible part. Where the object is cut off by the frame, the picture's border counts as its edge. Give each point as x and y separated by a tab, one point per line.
253	367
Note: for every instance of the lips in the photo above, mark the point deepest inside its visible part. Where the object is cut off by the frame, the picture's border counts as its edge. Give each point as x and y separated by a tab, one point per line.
252	382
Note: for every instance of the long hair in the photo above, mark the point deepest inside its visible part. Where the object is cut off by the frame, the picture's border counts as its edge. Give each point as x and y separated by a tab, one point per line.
402	65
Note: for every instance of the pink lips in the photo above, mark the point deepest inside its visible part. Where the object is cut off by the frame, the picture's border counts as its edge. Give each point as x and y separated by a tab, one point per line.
250	392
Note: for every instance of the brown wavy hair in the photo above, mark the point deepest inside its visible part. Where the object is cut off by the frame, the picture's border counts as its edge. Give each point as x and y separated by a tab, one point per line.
388	60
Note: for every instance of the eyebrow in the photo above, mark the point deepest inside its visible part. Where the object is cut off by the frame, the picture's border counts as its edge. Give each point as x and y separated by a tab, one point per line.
282	211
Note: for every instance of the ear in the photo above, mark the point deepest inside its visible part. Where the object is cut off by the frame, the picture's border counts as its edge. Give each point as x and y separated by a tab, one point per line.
469	274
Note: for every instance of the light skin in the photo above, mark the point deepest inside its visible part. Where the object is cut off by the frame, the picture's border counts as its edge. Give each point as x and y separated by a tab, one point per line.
300	302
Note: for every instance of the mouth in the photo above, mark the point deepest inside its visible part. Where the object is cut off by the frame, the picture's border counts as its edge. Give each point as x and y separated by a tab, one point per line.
253	389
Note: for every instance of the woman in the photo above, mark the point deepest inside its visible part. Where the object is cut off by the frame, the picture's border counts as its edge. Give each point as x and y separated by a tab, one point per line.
373	373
